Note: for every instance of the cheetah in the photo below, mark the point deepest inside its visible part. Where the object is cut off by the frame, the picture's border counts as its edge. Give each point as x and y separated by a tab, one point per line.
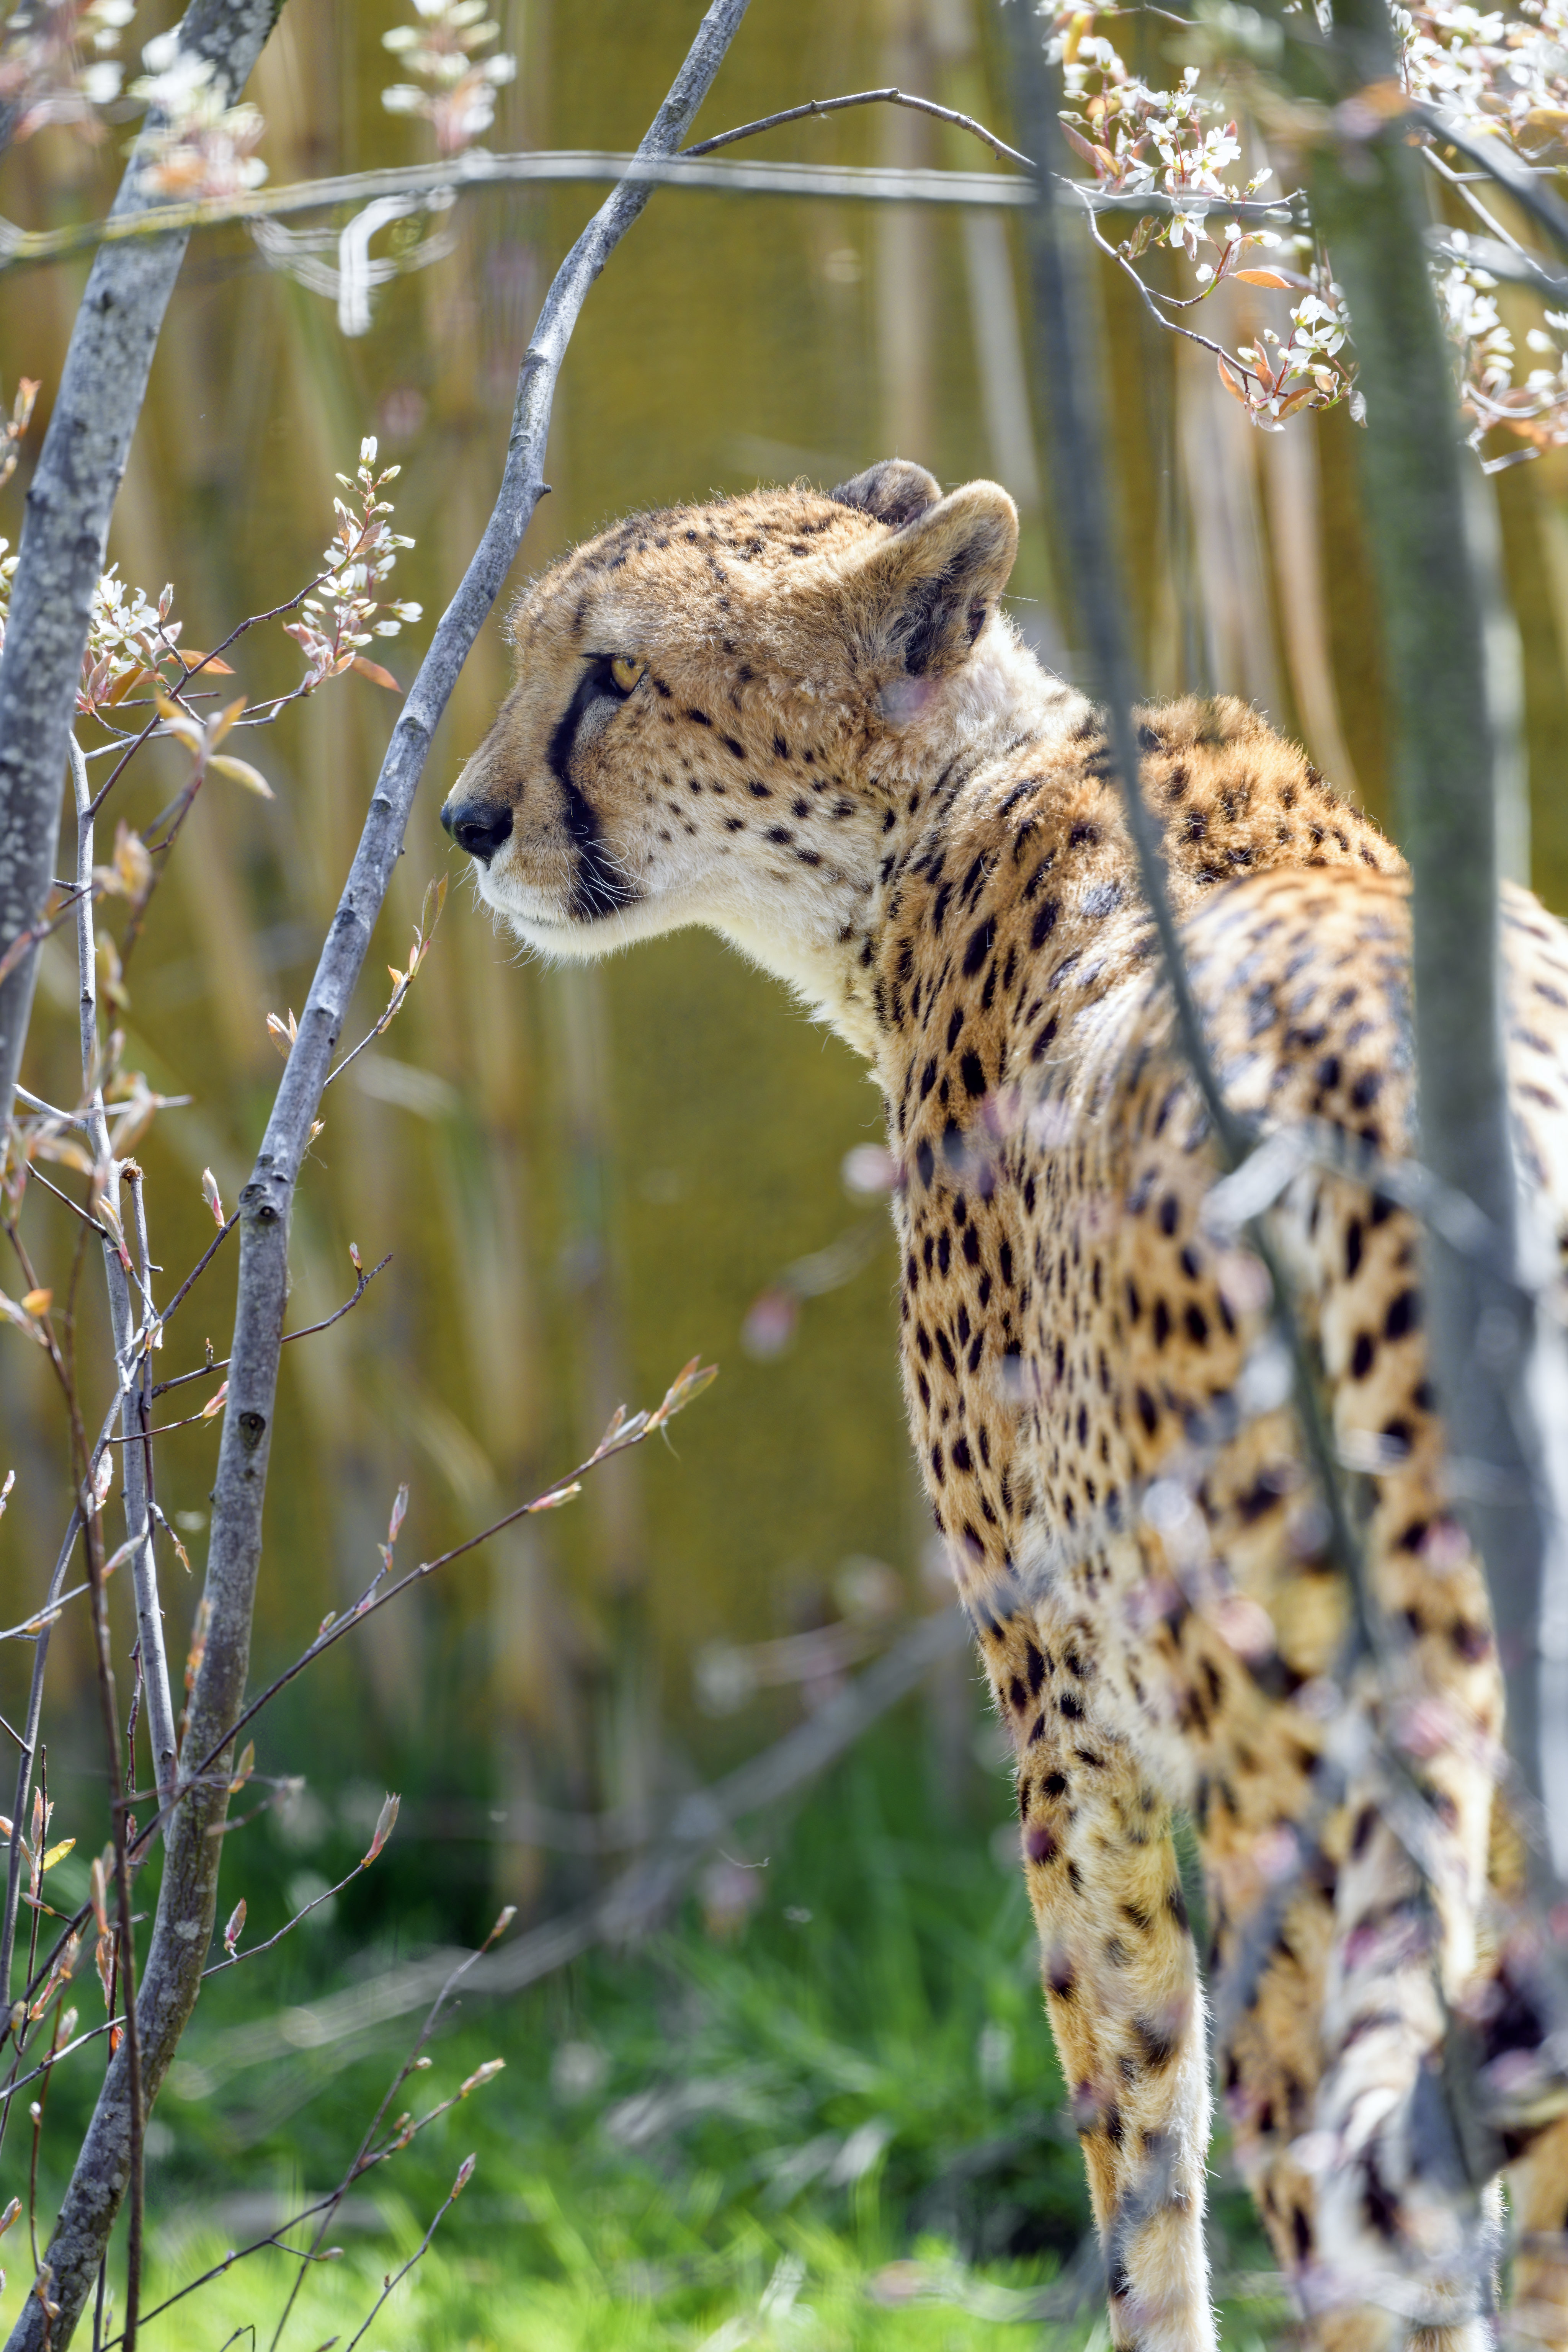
804	720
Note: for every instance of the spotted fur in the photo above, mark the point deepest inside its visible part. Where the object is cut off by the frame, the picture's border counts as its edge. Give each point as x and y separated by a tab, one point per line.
838	754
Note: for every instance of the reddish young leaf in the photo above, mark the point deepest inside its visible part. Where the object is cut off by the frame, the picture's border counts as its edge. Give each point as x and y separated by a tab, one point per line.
385	1823
235	1927
1232	384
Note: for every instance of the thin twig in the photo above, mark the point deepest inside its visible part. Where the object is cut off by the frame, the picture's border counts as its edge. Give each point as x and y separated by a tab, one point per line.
182	683
137	1464
309	1331
1151	301
25	1768
199	1268
620	1437
465	2174
888	97
363	2158
188	1893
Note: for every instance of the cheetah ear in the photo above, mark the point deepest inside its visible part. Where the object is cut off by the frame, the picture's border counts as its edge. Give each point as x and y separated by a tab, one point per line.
895	492
924	595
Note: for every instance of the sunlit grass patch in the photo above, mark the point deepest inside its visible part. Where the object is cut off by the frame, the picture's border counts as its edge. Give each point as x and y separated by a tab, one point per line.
840	2124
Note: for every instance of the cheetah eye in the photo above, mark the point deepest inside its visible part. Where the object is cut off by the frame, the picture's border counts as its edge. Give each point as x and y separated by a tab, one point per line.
625	671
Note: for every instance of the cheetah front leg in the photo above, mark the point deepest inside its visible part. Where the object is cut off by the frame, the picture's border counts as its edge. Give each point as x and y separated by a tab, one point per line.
1121	1987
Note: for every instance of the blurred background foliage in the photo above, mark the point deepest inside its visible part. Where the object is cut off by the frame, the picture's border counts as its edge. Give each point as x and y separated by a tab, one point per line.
584	1177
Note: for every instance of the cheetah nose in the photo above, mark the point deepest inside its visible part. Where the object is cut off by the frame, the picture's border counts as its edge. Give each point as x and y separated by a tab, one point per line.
476	827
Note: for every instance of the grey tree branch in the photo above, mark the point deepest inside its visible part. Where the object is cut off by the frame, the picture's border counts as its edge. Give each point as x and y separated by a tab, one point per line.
187	1900
69	501
26	1762
1496	159
1070	395
128	1354
1491	1349
22	248
820	107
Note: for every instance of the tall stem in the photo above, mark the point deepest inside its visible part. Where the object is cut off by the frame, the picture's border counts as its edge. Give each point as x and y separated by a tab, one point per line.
1496	1364
187	1898
136	1466
69	501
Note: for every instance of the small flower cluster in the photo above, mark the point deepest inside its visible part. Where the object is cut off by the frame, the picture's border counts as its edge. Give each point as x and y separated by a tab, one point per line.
57	65
132	643
8	563
1506	73
342	614
1534	412
198	145
1135	137
1310	369
1182	143
459	97
1509	73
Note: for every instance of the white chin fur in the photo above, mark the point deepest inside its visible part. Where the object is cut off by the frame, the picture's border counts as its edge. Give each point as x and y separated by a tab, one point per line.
561	938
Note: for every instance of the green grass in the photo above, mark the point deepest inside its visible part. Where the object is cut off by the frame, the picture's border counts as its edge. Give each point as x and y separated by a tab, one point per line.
840	2126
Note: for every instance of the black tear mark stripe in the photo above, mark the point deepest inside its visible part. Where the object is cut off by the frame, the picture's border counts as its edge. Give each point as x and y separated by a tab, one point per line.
596	887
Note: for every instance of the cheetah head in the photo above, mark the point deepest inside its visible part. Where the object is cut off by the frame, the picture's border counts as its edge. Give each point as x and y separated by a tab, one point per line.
715	708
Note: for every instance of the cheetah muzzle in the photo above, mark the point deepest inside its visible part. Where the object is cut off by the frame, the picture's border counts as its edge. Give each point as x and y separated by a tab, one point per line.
803	721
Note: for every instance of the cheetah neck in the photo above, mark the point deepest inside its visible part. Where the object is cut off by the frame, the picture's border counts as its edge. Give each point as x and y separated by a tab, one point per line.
945	750
995	788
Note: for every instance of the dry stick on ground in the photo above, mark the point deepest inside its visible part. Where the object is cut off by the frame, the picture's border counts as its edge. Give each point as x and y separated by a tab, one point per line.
188	1893
642	1893
69	501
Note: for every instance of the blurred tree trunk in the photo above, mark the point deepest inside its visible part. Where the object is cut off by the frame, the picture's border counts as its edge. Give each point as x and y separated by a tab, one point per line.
1490	1352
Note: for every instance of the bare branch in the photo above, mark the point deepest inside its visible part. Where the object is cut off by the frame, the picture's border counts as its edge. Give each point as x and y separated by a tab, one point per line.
188	1890
376	1595
825	106
877	184
204	1371
1500	165
1369	208
135	1379
69	501
25	1766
